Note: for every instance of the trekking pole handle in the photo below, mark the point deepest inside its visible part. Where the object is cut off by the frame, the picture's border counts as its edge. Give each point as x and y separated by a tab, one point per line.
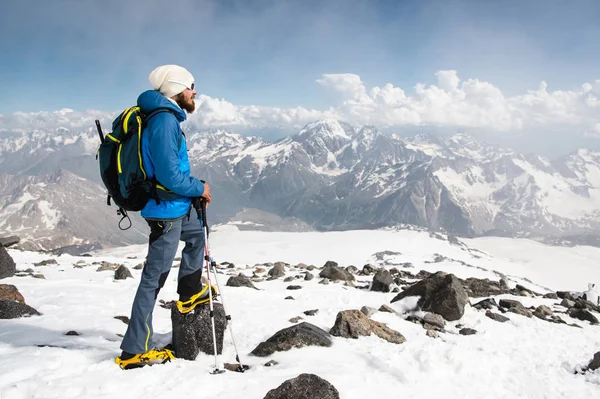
99	128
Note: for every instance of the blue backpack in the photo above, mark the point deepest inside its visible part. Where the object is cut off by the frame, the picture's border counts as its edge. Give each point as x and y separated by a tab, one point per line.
121	165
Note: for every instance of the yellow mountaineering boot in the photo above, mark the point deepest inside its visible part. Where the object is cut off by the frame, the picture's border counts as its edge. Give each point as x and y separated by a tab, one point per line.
153	356
198	299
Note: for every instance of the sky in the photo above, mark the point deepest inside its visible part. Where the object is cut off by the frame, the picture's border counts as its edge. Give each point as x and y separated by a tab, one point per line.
502	360
524	69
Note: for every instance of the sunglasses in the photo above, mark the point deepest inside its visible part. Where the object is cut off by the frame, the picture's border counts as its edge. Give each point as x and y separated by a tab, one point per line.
191	87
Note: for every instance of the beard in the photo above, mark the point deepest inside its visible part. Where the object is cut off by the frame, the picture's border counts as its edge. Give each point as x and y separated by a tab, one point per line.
185	104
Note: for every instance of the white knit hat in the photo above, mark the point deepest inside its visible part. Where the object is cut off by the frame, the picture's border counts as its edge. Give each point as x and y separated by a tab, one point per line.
171	80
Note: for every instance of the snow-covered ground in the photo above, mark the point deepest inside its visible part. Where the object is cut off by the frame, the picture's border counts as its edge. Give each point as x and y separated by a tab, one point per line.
523	358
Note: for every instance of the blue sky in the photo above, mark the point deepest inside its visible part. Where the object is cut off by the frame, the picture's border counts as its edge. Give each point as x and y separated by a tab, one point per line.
85	54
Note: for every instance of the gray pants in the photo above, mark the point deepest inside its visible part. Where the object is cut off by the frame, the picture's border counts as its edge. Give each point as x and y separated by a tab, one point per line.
162	248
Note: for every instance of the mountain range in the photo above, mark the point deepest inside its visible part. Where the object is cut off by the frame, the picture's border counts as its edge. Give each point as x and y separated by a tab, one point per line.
328	176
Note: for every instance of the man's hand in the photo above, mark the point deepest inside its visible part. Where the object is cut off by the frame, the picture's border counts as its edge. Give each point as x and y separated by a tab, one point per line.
206	193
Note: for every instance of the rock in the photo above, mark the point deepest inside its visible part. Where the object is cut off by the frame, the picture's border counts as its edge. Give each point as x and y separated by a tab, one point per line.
277	271
467	331
496	316
8	241
288	279
305	386
325	281
583	314
542	311
122	273
38	275
440	293
294	287
566	295
240	281
14	310
46	262
432	333
353	324
7	264
581	303
308	276
515	307
489	303
382	281
334	272
433	321
368	269
298	336
476	288
289	297
105	266
551	295
387	308
311	312
10	293
271	363
192	332
595	363
124	319
527	291
139	267
295	319
72	333
352	269
567	303
368	311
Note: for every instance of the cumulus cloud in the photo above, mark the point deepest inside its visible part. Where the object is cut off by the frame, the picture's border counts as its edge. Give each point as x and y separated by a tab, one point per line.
450	102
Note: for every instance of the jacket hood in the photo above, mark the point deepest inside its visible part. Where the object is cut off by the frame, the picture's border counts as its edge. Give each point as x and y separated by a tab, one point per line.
151	100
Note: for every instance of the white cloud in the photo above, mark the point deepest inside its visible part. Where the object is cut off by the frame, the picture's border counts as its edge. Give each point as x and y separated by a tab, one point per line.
450	102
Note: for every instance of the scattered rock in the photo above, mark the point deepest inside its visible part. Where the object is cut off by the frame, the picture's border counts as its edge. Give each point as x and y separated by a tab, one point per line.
295	319
8	241
433	321
325	281
7	264
567	303
297	336
551	295
38	275
288	279
368	311
46	262
583	314
294	287
353	324
595	363
305	386
432	333
311	312
368	269
240	281
308	276
122	273
332	271
10	293
124	319
289	297
277	271
489	303
542	311
108	266
467	331
387	308
271	363
515	307
477	288
74	333
566	295
139	267
496	316
382	281
440	293
14	310
192	332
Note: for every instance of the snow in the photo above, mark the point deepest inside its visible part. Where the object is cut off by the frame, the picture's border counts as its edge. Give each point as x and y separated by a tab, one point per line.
578	206
526	357
50	216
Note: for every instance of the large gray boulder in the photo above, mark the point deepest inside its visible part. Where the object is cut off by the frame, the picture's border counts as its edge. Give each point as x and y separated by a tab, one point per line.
192	332
14	310
7	264
440	293
354	324
298	336
8	241
305	386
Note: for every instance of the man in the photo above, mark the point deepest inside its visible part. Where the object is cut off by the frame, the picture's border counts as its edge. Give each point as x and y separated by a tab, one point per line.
164	155
592	294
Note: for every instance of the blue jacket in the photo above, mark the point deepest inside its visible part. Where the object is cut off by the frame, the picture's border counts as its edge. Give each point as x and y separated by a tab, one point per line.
165	159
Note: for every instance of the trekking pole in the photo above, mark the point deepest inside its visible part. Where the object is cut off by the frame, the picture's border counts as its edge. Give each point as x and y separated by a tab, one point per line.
212	313
241	367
